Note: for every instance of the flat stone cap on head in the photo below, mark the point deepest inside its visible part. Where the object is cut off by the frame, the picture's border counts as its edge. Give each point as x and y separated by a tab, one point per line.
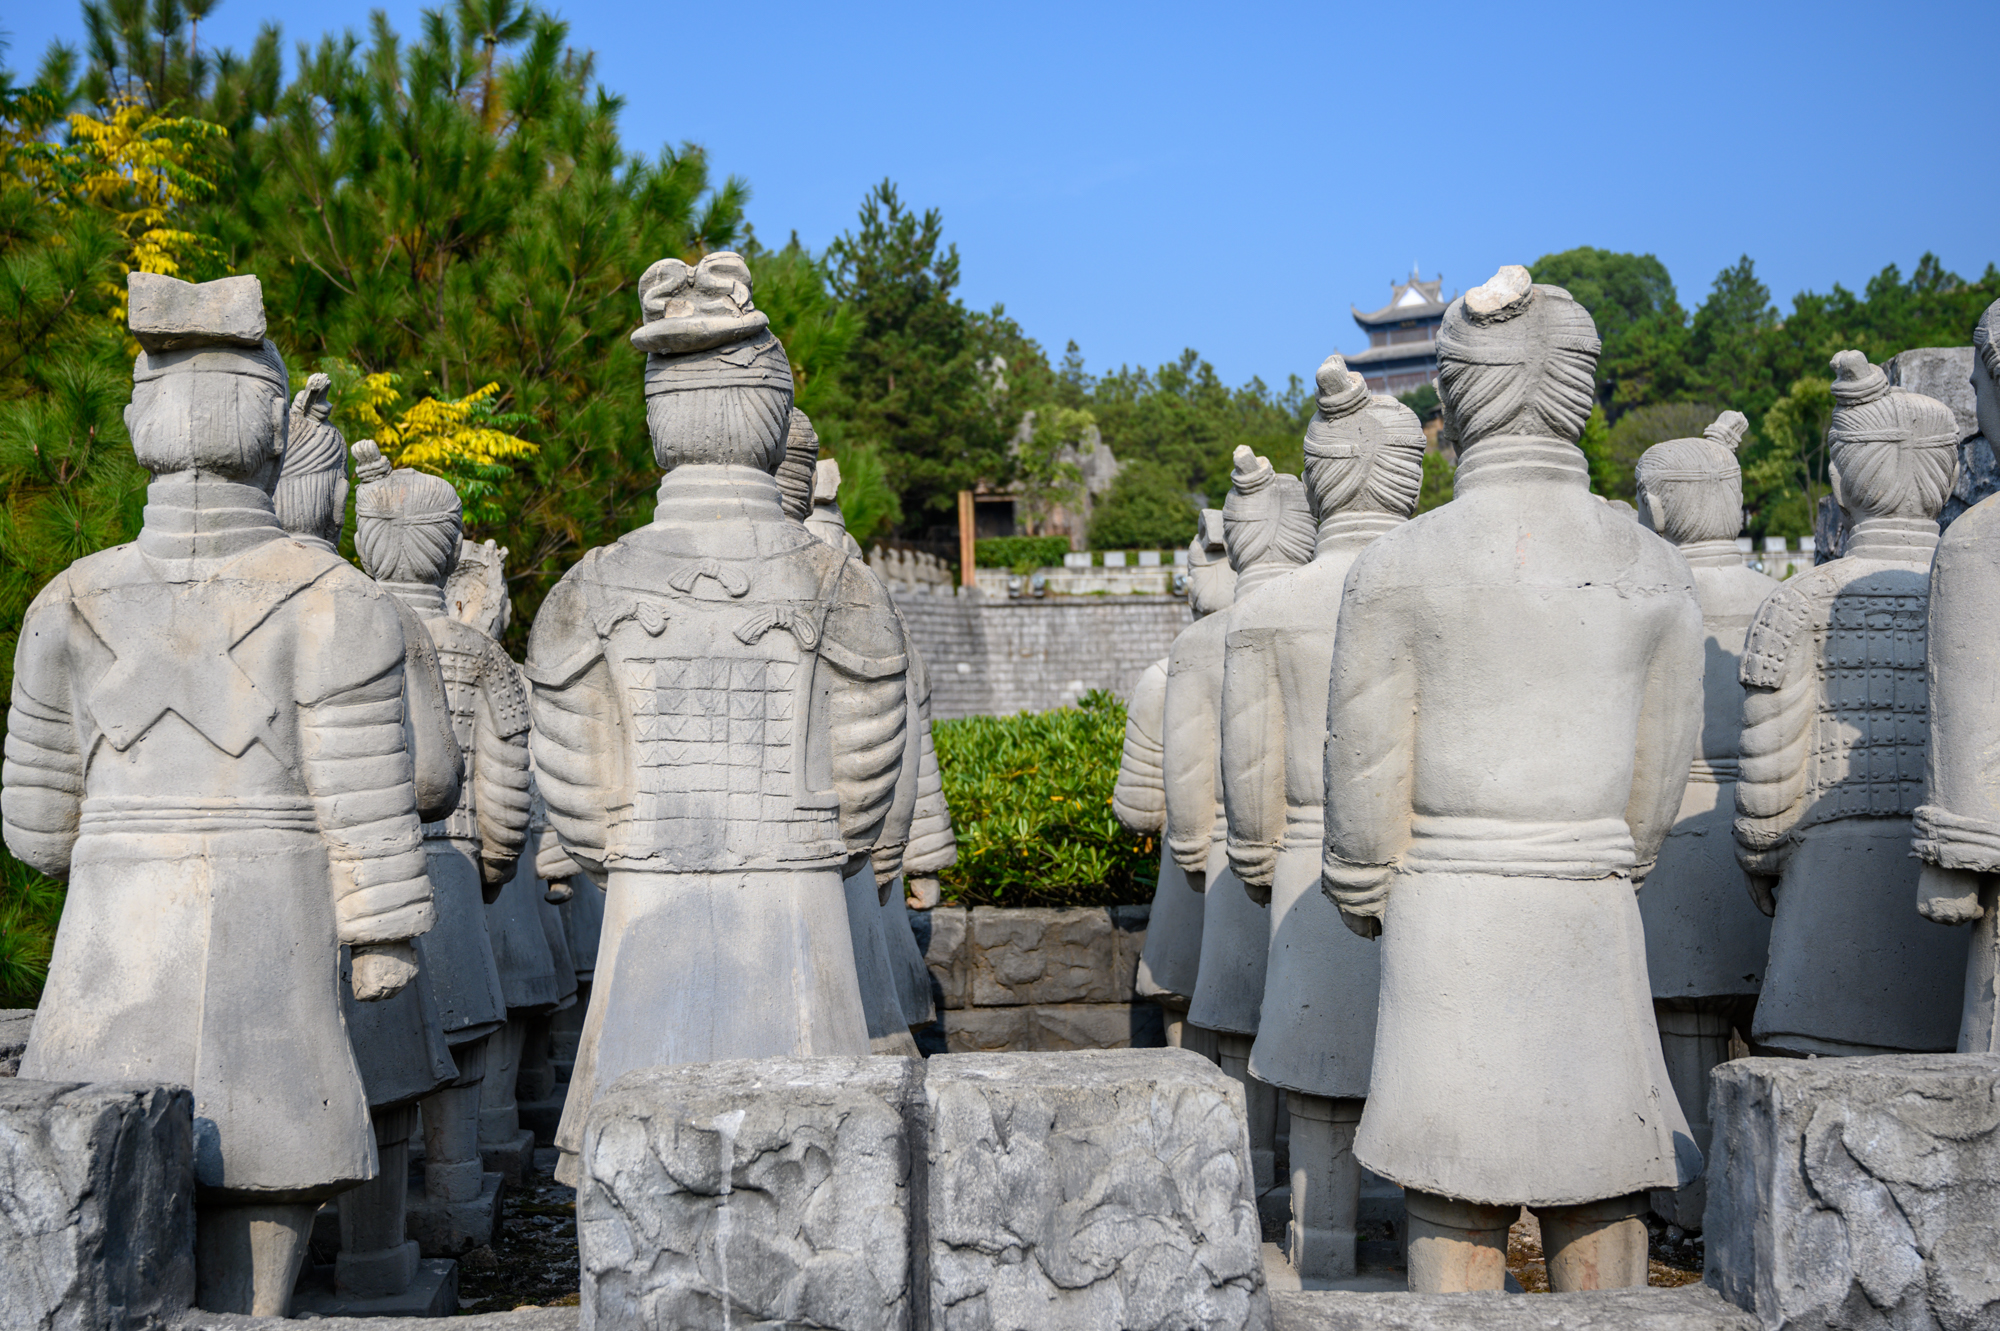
1501	296
697	309
826	481
167	314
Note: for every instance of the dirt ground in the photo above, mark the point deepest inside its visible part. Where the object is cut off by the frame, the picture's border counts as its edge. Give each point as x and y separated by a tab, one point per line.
533	1263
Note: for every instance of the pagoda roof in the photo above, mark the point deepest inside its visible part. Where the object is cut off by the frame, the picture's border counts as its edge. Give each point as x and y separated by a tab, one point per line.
1414	299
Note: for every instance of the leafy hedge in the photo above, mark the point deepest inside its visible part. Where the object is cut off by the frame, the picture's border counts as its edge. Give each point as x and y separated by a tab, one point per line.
1030	799
1018	552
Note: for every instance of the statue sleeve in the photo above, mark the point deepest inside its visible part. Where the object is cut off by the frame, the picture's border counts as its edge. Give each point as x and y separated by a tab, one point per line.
356	767
933	843
41	784
887	857
1253	755
1958	825
1193	732
1670	717
434	752
1370	752
1139	799
502	798
579	749
1776	744
863	645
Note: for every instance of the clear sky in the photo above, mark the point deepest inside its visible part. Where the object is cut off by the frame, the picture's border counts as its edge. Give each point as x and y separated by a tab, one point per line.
1232	177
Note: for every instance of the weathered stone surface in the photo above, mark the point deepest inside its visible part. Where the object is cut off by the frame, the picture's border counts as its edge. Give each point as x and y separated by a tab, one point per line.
942	932
96	1204
1054	956
14	1024
1090	1190
1944	373
166	314
748	1192
1690	1308
1054	1028
521	1319
1857	1192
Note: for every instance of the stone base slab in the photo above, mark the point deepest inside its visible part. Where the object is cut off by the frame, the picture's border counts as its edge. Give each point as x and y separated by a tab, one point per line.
1689	1308
540	1117
522	1319
1053	1028
512	1160
433	1293
453	1229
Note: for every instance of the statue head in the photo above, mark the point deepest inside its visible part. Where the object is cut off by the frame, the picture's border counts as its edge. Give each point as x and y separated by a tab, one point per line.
208	388
475	593
1211	581
1692	489
1363	453
408	525
718	386
1266	517
1515	358
795	473
311	495
1894	452
1986	372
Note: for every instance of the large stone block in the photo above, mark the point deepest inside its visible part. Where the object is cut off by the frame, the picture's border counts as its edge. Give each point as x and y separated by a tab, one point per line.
1054	956
1857	1192
96	1205
1054	1028
942	933
14	1024
751	1192
1090	1190
1690	1308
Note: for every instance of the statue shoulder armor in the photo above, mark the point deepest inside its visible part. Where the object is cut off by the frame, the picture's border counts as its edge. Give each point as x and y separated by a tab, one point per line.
864	634
1779	628
499	678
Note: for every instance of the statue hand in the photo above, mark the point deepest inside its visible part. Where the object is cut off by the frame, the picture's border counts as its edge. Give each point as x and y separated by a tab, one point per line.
382	970
559	891
1198	881
1763	891
1949	896
1367	926
924	893
1257	892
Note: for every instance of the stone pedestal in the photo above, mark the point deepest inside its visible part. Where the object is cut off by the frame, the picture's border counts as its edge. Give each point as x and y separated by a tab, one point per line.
445	1227
1857	1192
541	1117
96	1204
512	1158
431	1290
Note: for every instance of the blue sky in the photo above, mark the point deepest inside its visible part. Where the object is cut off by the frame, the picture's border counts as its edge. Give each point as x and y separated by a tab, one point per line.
1232	178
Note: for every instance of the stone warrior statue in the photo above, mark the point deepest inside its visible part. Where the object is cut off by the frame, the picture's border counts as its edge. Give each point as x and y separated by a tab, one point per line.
409	532
1364	467
1270	531
1834	726
719	722
1958	830
1172	955
1515	701
207	736
1705	943
399	1043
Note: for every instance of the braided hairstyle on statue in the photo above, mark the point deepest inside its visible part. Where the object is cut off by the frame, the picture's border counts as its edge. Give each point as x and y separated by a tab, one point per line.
407	524
1696	484
1895	453
1363	453
1515	358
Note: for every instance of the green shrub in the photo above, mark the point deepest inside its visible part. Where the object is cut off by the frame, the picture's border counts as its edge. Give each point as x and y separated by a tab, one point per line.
30	906
1030	799
1021	552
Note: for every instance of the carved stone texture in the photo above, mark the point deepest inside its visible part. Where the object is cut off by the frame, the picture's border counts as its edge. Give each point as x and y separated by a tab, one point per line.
1055	956
1054	1028
14	1024
1090	1190
1689	1308
1857	1193
943	934
752	1193
519	1319
1835	725
1945	373
96	1205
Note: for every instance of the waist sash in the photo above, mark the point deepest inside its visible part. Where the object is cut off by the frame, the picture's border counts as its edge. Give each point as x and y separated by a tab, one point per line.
1588	848
144	814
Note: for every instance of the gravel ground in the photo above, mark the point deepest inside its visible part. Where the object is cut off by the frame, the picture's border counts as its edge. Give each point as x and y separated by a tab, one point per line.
533	1263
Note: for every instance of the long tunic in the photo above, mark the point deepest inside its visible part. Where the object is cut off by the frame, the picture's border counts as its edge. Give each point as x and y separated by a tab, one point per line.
1705	938
206	735
1835	718
1316	1025
1515	702
1139	801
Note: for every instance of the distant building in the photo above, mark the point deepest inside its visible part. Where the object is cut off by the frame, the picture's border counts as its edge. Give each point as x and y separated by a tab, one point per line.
1402	337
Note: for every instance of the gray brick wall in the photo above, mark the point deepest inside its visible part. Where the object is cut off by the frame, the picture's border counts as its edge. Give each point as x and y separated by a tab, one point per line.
992	656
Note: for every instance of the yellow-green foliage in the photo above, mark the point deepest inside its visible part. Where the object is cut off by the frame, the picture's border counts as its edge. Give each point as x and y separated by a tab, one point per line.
1030	799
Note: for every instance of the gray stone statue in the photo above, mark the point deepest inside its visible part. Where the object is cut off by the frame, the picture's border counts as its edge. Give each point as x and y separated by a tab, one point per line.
1958	828
1364	468
1516	697
1833	746
207	741
1270	531
409	534
720	720
1171	957
1705	942
1835	717
399	1043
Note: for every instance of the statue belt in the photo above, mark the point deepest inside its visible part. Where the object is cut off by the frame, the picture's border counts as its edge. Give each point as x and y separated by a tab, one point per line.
180	814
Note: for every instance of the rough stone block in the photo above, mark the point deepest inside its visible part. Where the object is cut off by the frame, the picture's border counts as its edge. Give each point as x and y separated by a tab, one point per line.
941	932
1049	956
453	1229
1690	1308
1857	1192
520	1319
96	1204
14	1024
1090	1190
988	1030
751	1192
1944	373
1054	1028
165	313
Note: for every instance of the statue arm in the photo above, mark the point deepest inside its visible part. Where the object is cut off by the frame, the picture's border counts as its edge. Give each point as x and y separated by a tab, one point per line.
1193	732
1139	800
41	784
1253	760
502	797
1370	758
1670	717
356	768
1776	745
434	751
933	843
868	726
578	748
887	857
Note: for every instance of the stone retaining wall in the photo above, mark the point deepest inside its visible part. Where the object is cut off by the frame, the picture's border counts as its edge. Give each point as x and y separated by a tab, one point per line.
1036	979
